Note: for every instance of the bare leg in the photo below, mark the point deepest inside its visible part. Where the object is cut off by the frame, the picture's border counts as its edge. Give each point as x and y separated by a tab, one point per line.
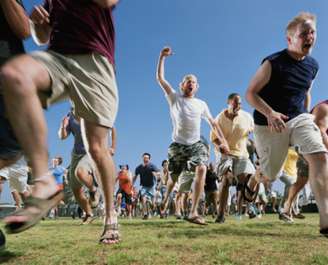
82	200
293	191
224	194
318	176
23	78
198	188
97	143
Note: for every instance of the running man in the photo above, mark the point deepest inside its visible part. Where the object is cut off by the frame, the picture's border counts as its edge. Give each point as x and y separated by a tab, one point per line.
82	170
187	152
79	64
148	173
124	179
236	167
280	94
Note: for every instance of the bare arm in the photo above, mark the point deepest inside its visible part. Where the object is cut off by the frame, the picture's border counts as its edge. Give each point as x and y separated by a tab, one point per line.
260	79
220	142
160	71
40	27
106	3
113	144
62	132
321	119
16	18
307	101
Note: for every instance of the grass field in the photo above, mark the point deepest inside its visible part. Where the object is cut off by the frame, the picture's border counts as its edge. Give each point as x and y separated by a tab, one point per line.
155	241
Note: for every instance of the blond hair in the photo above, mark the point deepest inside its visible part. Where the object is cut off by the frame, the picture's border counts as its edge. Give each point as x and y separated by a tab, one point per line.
188	77
301	18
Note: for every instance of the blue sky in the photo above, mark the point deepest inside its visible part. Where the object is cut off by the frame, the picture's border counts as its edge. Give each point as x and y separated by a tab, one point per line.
221	42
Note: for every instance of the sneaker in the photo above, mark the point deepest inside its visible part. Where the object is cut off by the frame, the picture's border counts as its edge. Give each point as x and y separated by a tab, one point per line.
88	219
145	217
286	218
94	198
220	219
178	217
2	240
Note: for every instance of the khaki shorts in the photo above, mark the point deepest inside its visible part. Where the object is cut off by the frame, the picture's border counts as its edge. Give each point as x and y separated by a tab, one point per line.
87	79
80	161
236	165
272	147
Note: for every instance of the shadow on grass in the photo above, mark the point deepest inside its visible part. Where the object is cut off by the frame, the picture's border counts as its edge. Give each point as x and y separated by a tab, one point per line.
6	256
231	231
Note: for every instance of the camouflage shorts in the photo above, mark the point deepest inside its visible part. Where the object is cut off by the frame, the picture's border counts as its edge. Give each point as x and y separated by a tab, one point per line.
186	157
302	167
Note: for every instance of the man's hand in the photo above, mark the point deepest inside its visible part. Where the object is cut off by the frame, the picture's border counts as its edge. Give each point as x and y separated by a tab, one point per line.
166	51
40	16
224	148
64	122
111	151
276	121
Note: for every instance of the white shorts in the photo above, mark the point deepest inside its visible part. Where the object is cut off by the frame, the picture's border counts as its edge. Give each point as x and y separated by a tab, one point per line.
17	175
272	147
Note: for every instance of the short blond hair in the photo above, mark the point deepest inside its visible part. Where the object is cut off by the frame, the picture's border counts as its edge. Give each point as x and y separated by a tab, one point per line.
188	77
301	18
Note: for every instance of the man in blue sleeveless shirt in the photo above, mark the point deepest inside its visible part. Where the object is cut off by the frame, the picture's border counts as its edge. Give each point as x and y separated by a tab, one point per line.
280	93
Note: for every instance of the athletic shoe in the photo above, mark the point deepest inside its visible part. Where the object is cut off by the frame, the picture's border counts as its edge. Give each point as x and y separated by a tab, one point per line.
145	217
220	219
2	240
94	198
286	218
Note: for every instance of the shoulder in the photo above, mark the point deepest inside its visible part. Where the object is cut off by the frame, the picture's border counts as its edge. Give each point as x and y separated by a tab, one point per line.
313	62
275	56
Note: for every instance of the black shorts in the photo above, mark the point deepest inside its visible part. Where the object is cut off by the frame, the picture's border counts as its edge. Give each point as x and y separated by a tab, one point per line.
127	197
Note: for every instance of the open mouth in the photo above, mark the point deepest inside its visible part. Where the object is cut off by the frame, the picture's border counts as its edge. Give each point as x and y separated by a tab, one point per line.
307	46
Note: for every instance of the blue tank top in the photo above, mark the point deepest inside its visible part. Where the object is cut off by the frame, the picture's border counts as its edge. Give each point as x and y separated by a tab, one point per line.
288	85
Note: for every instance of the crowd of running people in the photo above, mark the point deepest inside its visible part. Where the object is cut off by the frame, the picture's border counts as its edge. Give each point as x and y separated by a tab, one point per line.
79	64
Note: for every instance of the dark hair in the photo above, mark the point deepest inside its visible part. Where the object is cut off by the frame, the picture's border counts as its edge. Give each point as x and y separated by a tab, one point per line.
60	160
126	165
146	154
232	96
163	162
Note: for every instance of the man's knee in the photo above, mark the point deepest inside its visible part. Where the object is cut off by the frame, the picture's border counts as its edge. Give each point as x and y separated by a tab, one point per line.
97	151
14	81
201	169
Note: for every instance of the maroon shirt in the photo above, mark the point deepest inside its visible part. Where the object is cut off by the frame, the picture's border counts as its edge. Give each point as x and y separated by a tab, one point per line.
80	27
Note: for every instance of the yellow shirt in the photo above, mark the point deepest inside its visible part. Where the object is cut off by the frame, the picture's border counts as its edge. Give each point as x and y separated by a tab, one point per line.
290	167
235	131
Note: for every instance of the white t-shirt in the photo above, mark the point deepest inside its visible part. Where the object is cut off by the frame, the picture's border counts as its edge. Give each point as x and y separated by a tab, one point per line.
186	114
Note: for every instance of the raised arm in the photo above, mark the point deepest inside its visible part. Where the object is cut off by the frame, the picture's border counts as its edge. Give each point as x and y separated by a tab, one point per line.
321	119
16	18
106	3
63	132
160	70
261	78
40	27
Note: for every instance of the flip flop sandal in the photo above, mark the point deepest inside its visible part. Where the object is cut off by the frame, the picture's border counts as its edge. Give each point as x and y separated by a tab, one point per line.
196	220
252	194
111	232
42	205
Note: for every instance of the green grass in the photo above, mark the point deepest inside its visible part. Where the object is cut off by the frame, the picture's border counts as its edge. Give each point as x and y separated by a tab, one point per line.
155	241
